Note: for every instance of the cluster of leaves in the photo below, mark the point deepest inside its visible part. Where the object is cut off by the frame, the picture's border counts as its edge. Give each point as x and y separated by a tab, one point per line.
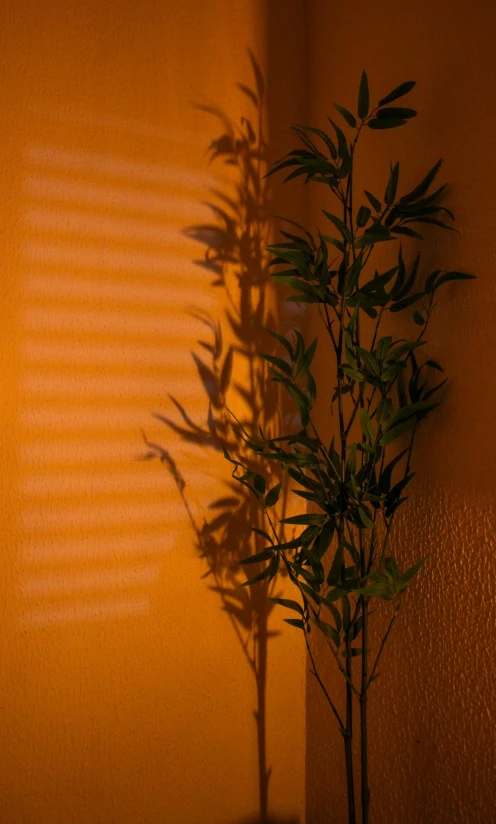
340	561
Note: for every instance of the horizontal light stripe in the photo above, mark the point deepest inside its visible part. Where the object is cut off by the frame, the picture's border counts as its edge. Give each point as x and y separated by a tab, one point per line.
60	484
153	540
80	452
102	258
150	324
125	356
109	166
168	206
180	290
84	226
98	610
129	126
62	582
104	514
49	384
112	418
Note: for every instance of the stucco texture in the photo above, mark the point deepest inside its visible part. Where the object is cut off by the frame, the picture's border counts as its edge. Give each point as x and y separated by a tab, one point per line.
127	691
433	710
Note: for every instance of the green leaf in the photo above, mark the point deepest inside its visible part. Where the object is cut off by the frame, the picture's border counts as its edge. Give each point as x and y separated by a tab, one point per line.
385	123
392	186
431	220
307	519
329	631
400	293
343	150
405	230
336	566
382	347
269	572
350	119
281	364
311	389
309	534
286	602
434	365
401	349
305	362
272	496
373	200
259	483
395	431
409	574
452	276
301	402
391	567
300	131
399	91
307	298
262	533
353	374
418	318
337	594
345	606
353	275
423	186
285	342
352	652
338	223
295	622
374	234
363	216
363	97
430	281
392	111
385	479
264	555
434	389
379	590
324	538
364	515
355	629
370	361
367	425
335	614
300	344
403	304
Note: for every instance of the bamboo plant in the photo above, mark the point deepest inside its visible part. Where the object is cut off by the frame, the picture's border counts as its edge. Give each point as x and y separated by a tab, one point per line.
341	558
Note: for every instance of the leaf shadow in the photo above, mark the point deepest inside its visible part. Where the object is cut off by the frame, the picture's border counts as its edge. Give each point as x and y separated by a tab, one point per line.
234	255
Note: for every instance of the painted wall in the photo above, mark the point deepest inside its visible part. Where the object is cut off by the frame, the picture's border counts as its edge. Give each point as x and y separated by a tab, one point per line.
125	691
433	738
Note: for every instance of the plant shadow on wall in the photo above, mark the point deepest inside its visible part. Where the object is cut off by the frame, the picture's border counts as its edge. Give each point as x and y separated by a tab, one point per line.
342	563
238	391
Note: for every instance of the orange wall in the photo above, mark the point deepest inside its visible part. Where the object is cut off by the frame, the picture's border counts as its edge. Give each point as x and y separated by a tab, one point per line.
433	735
125	695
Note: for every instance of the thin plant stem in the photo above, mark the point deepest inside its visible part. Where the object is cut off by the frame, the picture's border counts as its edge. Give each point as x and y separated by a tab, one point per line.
314	672
383	644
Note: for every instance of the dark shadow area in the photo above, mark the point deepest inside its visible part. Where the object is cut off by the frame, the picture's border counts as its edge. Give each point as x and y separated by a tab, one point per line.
292	820
238	392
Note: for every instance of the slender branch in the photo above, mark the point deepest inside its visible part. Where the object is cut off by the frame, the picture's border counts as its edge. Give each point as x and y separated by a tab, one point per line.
376	330
328	324
322	685
383	644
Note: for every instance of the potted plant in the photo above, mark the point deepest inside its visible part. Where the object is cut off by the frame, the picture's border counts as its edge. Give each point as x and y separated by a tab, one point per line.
340	556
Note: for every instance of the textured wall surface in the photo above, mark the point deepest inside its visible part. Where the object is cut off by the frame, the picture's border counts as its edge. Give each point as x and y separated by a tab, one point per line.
433	735
125	694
